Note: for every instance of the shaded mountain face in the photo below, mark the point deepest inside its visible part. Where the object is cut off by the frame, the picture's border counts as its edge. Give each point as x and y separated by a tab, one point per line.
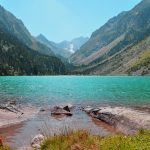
21	54
117	35
19	59
65	48
58	51
16	27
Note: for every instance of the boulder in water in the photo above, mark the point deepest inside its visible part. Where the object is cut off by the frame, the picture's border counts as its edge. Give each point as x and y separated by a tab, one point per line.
61	111
67	108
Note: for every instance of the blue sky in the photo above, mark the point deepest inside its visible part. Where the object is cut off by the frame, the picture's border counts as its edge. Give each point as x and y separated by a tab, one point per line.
62	20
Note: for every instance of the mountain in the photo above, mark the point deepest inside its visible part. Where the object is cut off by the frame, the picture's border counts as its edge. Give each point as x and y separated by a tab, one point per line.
73	45
65	48
18	59
114	45
60	52
21	54
16	27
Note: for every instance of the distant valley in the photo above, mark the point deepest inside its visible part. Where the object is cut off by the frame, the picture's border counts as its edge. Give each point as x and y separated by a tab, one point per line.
64	48
119	47
21	53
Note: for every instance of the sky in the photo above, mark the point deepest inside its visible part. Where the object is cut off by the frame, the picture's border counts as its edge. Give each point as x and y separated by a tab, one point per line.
62	20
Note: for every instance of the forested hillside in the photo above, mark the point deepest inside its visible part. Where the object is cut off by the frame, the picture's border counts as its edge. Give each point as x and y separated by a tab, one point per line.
17	59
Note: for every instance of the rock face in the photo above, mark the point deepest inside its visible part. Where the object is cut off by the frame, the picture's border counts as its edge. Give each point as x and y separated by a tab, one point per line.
37	141
123	119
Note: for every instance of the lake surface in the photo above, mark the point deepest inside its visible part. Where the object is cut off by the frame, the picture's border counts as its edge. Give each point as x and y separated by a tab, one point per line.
77	90
54	90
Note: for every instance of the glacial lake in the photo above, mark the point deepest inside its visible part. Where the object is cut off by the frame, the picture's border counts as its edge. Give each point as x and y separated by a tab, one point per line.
54	90
77	90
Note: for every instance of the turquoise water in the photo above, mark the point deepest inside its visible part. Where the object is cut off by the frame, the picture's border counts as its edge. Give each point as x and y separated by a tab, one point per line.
76	89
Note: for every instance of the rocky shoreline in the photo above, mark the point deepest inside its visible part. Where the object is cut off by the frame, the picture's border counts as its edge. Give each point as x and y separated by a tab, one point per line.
124	119
127	120
12	113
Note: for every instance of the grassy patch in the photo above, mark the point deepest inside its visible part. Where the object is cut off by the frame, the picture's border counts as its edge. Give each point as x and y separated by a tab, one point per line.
140	141
143	60
72	141
82	140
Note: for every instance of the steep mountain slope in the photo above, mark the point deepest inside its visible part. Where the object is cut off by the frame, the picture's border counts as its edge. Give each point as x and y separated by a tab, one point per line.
119	34
54	47
134	60
16	27
17	59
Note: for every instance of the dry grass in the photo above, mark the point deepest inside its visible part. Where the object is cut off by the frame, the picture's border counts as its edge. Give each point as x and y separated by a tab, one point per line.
71	141
82	140
4	148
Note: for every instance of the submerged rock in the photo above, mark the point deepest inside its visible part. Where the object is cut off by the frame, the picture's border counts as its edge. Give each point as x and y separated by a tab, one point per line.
42	109
13	102
61	111
37	141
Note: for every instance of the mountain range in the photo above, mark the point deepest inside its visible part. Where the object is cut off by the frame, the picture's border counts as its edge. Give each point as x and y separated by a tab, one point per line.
119	47
21	53
65	48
